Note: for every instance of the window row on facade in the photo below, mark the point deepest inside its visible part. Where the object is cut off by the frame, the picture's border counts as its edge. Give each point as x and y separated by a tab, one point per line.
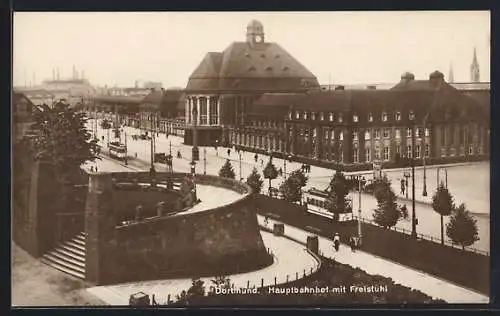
341	117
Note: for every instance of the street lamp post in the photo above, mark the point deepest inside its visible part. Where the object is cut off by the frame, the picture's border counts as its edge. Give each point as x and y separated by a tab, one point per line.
195	152
239	153
360	234
424	192
126	149
193	173
204	161
412	161
152	169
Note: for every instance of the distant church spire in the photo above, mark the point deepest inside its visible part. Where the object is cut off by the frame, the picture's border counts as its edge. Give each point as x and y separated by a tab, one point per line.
451	78
474	69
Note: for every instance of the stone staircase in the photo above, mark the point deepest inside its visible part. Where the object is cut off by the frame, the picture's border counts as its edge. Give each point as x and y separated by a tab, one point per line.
68	257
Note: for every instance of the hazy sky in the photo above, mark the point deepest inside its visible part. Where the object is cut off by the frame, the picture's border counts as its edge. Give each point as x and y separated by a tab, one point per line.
338	47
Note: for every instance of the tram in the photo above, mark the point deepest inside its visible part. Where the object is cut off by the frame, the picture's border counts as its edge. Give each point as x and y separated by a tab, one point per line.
315	201
117	150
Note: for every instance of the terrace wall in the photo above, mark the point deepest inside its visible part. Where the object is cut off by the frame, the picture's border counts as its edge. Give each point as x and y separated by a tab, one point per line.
223	240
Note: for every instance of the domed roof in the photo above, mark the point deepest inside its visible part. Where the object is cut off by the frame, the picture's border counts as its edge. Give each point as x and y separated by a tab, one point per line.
245	67
254	24
408	76
436	74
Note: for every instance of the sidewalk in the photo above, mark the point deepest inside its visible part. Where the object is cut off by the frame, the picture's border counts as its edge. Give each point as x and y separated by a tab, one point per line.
34	284
291	260
430	285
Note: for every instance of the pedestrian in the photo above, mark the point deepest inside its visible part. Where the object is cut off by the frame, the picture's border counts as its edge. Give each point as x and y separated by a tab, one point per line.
91	168
352	243
95	168
256	157
402	186
262	162
281	172
102	138
135	155
336	241
266	220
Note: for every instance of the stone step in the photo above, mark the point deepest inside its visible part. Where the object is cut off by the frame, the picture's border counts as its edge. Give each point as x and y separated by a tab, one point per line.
73	249
79	240
75	245
62	268
63	262
80	262
71	255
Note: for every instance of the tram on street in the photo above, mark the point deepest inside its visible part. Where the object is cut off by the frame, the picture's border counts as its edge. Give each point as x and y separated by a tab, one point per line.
315	201
117	150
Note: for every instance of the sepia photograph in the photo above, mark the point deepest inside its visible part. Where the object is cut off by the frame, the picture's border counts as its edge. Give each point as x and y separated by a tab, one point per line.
173	159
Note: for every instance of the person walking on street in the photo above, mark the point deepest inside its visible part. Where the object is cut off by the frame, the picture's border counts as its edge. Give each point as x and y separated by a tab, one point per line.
336	241
228	152
256	157
352	243
402	186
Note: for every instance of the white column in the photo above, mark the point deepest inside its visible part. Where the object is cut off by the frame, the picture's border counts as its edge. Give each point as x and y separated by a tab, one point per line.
198	102
218	112
209	101
188	110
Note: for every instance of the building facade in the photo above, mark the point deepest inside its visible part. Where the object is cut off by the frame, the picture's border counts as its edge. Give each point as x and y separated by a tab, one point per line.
412	119
221	91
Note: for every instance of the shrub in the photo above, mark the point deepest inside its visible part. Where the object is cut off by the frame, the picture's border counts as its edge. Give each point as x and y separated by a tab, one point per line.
462	228
254	181
226	171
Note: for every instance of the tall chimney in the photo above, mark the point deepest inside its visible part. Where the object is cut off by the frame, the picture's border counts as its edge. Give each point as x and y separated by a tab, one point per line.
53	74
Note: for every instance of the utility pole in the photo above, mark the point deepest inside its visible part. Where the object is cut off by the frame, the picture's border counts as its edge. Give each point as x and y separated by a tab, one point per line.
414	215
360	235
424	151
126	149
241	179
152	169
204	160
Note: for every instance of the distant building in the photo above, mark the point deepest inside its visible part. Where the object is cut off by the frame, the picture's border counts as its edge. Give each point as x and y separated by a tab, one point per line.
153	85
39	97
22	114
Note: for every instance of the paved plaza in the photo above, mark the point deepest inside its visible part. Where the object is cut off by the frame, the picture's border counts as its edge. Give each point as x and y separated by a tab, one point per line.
428	219
290	259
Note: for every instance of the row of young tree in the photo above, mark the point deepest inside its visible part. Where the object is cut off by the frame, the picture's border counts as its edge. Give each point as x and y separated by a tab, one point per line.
290	189
461	228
